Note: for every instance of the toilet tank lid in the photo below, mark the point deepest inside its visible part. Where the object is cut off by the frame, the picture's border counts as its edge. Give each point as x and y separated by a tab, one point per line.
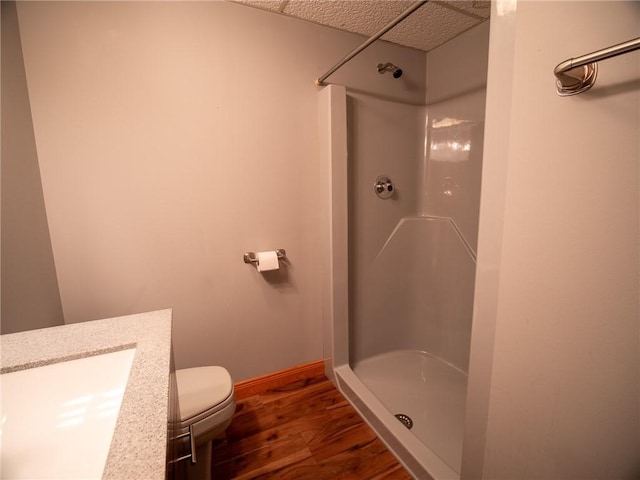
201	388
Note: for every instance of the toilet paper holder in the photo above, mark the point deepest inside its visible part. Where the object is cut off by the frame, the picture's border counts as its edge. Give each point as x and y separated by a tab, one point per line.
250	257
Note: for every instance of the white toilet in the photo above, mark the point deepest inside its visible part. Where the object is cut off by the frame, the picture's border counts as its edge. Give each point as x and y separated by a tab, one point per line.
207	404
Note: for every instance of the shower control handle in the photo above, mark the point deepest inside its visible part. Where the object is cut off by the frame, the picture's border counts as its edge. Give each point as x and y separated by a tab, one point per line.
383	187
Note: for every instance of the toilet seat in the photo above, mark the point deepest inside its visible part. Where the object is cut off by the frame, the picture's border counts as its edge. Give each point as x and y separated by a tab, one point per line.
206	400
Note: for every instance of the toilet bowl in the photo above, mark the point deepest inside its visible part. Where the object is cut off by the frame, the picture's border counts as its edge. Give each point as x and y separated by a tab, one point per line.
207	404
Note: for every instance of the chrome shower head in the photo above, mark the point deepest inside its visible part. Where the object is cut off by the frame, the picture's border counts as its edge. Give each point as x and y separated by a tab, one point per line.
390	67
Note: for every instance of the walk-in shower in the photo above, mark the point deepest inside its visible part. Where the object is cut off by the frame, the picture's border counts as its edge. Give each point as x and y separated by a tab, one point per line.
403	261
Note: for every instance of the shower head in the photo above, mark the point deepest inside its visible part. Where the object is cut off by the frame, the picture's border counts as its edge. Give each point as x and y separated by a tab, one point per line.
390	67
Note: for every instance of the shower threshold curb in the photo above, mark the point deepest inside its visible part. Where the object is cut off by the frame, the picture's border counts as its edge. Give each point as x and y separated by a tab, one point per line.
417	458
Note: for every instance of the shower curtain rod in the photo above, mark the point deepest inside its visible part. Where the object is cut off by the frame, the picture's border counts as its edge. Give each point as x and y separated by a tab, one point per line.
373	38
574	83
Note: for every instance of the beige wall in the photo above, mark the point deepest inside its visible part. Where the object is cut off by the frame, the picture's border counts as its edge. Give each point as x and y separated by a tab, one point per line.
30	295
558	253
172	138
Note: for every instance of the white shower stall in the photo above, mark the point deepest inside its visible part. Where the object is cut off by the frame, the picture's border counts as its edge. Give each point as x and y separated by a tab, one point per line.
403	268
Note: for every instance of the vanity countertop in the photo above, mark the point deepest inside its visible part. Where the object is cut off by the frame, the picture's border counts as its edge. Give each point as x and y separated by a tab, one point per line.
139	443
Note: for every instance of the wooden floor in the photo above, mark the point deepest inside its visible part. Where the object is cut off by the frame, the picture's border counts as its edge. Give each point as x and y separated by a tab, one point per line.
302	431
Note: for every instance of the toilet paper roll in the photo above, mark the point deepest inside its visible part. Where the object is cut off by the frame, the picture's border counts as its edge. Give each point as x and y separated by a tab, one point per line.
267	261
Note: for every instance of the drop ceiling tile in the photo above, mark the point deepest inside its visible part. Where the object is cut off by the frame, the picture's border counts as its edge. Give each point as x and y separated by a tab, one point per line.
430	26
480	8
364	17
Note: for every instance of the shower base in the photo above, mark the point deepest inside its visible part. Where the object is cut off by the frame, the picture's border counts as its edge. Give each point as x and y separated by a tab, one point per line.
429	391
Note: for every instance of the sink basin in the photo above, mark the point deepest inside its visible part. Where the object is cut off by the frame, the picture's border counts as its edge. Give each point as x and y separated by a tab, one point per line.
58	419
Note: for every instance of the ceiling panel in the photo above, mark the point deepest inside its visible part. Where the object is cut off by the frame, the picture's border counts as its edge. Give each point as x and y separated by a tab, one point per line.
364	16
430	26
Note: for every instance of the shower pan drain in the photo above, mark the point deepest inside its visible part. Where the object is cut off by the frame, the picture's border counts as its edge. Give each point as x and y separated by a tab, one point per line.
405	419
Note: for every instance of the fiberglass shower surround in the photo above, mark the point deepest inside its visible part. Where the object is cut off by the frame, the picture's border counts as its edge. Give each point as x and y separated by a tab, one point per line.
401	313
406	309
411	269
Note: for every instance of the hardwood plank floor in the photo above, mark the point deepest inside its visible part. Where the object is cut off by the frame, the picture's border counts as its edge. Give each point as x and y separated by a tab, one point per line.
305	430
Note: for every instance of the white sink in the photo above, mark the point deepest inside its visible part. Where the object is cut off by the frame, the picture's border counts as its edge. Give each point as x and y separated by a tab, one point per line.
58	420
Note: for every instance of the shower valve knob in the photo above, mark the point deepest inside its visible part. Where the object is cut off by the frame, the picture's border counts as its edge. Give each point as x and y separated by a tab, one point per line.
383	187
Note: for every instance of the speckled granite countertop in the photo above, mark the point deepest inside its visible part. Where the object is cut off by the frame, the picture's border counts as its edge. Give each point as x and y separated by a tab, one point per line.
139	443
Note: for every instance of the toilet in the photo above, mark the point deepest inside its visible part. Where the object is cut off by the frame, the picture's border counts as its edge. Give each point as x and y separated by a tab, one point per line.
207	404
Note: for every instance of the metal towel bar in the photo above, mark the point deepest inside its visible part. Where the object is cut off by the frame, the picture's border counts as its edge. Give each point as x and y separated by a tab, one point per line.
577	75
192	446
